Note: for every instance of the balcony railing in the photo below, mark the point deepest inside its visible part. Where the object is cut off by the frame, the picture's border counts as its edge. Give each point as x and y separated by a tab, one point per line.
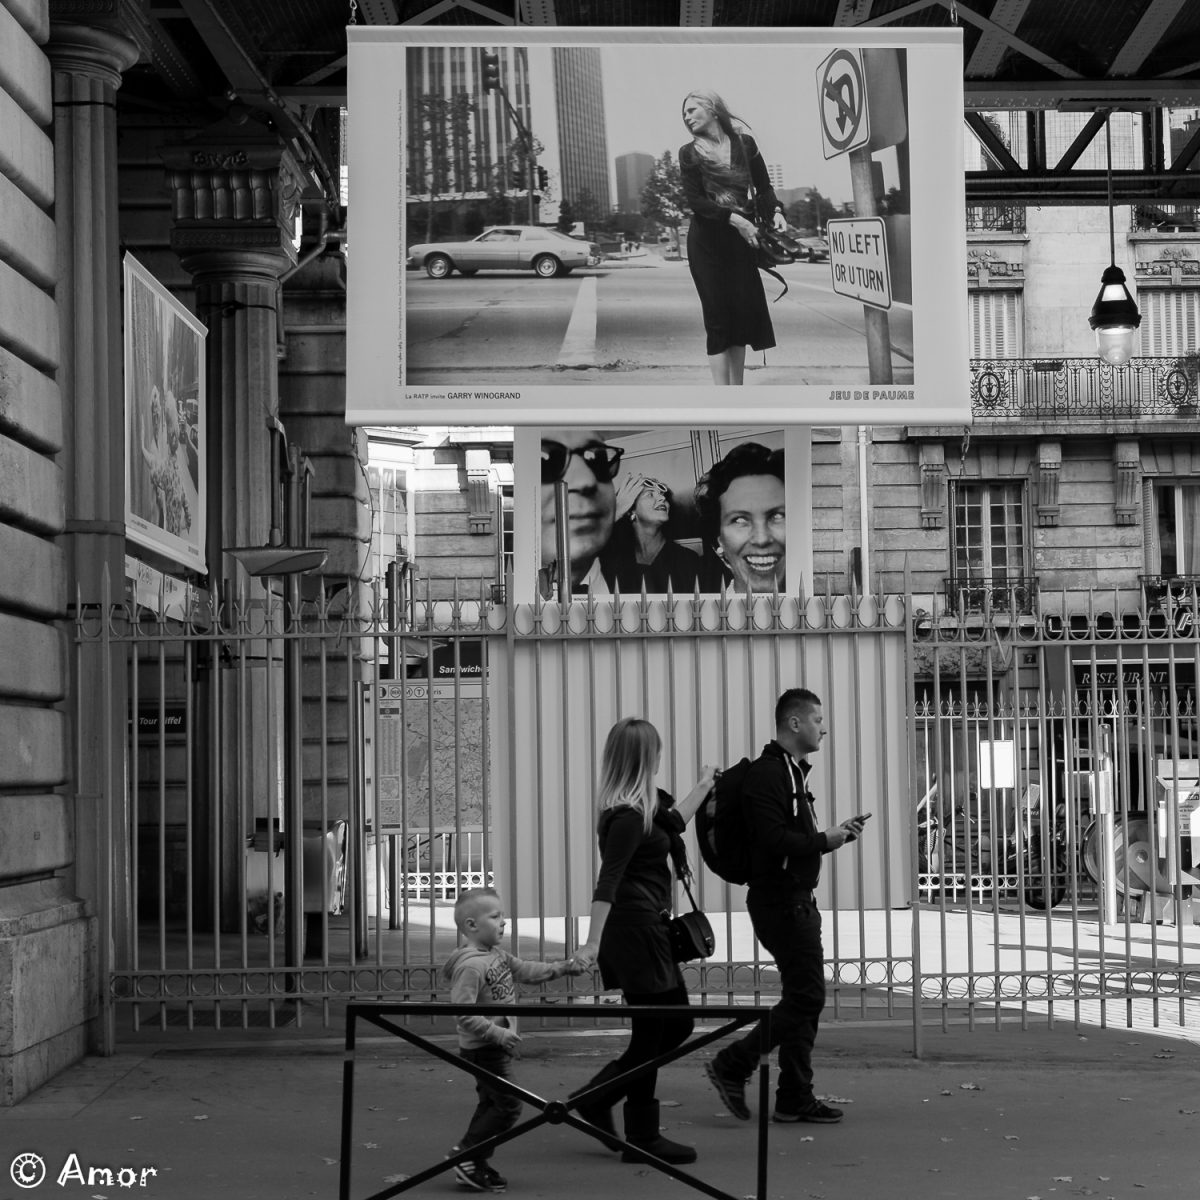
1041	389
995	218
990	594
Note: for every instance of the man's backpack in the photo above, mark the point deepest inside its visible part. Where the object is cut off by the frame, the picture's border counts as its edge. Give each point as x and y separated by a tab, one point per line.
721	827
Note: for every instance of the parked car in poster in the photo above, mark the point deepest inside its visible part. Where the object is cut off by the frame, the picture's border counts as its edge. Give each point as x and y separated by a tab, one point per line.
545	252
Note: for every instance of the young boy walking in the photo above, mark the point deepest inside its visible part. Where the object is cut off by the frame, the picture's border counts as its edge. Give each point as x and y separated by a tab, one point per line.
480	972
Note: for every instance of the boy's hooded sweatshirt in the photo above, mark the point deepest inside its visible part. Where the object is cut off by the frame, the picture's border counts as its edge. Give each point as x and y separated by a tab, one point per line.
478	976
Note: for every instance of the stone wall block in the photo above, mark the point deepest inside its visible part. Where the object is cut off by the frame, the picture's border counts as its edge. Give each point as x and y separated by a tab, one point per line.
26	153
338	516
27	240
35	576
33	16
32	747
31	660
339	475
24	69
31	489
28	319
30	406
36	837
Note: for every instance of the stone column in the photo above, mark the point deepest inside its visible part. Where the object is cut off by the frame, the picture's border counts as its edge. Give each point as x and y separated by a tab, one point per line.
91	43
236	194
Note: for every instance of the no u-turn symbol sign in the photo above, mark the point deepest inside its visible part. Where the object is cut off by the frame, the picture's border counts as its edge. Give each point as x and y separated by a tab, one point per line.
842	100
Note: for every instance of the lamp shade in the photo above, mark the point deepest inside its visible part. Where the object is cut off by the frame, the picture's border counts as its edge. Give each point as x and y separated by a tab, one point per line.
1115	318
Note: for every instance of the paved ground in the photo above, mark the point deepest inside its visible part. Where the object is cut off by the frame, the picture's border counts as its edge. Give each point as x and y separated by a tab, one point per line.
1004	1114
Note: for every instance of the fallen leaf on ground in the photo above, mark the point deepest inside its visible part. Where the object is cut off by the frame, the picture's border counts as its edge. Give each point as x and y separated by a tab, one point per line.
970	1087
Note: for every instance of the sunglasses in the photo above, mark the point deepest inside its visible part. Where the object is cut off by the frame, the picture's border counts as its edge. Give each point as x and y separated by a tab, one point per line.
601	460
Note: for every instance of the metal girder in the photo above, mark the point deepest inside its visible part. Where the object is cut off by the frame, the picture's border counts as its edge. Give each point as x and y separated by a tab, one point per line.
1081	188
538	12
1076	95
990	49
1155	22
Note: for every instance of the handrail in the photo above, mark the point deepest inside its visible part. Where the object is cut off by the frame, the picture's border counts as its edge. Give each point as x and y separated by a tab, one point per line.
551	1112
1054	388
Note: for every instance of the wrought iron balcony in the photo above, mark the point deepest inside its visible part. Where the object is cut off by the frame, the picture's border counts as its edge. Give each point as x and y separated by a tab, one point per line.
1064	389
1182	590
990	594
995	218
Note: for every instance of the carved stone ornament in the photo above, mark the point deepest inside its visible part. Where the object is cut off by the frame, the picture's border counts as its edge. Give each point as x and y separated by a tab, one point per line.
1127	467
1048	468
985	265
235	183
933	485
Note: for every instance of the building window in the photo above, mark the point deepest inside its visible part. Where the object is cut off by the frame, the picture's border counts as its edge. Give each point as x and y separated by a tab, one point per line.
989	531
1174	533
996	324
506	531
1170	321
987	550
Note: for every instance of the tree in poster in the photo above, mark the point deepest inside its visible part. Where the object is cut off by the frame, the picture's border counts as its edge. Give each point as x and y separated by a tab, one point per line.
566	217
663	199
440	155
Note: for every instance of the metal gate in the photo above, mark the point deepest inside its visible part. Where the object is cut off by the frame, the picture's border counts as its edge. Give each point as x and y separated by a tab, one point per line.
1031	780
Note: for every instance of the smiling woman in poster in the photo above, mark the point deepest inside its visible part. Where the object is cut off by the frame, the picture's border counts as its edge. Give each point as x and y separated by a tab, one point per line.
742	506
726	184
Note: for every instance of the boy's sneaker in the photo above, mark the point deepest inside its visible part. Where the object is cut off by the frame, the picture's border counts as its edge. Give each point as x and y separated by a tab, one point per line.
816	1113
732	1091
478	1176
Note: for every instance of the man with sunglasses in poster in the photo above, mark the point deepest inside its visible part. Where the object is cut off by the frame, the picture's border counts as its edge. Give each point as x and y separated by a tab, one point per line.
588	464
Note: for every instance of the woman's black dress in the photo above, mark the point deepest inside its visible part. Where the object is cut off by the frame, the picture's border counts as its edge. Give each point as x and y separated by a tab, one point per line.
724	266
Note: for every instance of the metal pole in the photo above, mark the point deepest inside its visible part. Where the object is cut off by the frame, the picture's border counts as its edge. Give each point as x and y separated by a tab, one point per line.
879	350
562	540
293	764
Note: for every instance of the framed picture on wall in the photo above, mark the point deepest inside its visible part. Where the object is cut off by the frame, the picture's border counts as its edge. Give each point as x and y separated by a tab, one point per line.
164	421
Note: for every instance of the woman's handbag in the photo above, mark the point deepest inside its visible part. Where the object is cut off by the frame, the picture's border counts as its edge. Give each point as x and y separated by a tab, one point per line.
691	934
775	249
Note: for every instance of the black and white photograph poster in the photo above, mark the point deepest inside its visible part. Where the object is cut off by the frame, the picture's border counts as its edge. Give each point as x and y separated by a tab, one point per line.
164	421
645	217
667	511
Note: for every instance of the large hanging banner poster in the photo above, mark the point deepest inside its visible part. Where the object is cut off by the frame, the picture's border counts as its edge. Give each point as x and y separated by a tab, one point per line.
563	226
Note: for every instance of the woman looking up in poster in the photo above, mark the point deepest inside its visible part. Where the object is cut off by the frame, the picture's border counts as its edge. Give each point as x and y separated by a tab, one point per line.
743	515
726	185
640	554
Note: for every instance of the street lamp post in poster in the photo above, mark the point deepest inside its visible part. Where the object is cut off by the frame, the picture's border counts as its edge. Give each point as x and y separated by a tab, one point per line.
642	218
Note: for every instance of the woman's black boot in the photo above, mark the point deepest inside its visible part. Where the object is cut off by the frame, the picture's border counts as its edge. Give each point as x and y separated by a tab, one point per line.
598	1110
641	1130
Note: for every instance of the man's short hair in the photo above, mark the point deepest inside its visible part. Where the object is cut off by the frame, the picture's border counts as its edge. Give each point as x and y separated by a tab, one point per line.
794	700
470	902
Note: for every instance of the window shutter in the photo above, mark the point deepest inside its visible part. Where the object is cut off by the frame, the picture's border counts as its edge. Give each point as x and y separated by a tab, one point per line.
1170	320
996	324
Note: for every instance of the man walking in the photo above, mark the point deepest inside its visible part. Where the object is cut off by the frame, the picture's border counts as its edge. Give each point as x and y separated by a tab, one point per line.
785	864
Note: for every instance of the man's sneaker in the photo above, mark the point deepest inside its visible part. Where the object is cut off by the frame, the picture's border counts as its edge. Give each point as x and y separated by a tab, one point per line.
817	1113
732	1091
478	1176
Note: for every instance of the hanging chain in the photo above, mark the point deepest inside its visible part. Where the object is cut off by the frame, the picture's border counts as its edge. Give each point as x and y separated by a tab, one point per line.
966	445
954	11
353	12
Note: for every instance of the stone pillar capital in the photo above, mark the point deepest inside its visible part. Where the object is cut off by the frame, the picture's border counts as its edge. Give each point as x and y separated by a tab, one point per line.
236	191
101	38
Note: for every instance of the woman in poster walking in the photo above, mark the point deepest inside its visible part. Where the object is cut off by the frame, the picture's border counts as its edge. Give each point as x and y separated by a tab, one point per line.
726	185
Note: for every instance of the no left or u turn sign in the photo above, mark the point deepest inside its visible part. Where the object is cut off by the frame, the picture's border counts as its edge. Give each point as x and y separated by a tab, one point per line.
842	102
